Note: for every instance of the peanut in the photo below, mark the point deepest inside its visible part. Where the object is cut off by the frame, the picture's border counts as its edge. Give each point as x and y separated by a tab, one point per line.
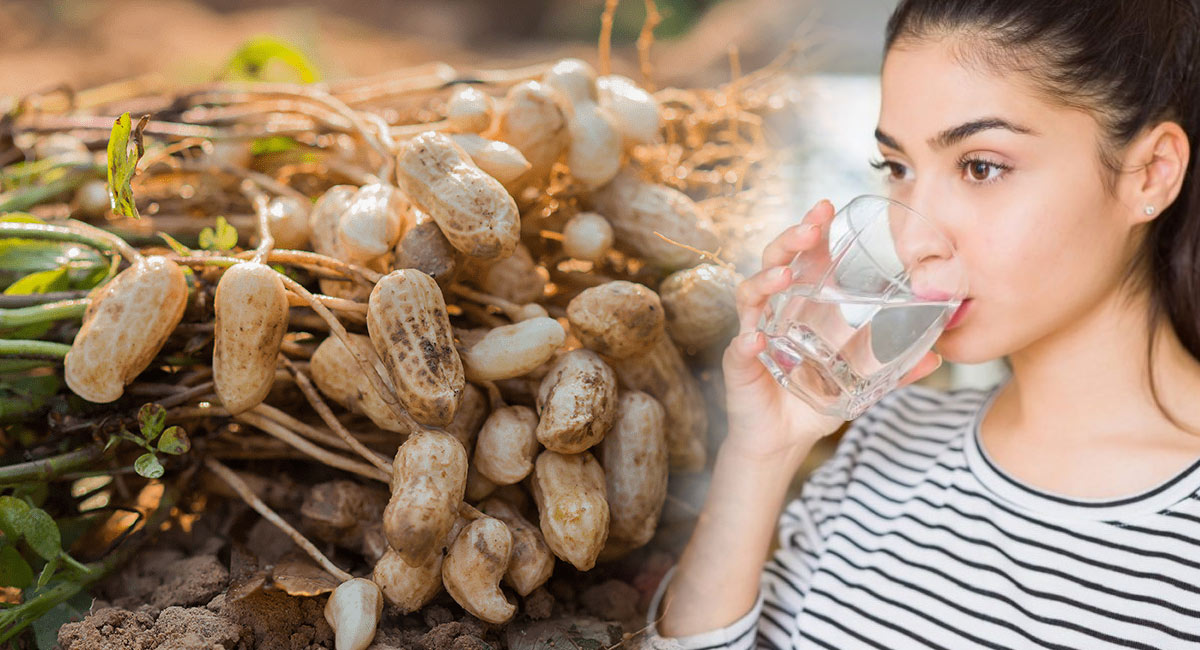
634	456
353	611
323	223
408	587
576	402
699	305
515	278
474	566
287	217
513	350
507	444
251	318
638	115
637	210
409	326
474	211
468	110
500	160
429	477
469	417
587	236
479	487
618	319
663	374
532	562
423	247
124	327
572	506
337	374
594	152
372	222
533	118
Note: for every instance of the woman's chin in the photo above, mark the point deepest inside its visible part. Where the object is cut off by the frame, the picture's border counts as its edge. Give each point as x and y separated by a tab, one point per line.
960	345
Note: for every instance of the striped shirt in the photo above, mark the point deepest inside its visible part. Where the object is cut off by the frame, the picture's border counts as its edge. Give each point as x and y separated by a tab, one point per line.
909	536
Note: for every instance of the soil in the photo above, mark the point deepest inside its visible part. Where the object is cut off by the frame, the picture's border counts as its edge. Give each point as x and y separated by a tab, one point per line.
211	588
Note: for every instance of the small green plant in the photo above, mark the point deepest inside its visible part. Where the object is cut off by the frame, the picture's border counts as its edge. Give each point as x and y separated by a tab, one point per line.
223	238
173	440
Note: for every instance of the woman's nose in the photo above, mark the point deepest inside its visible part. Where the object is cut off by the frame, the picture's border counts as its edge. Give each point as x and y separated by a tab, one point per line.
926	250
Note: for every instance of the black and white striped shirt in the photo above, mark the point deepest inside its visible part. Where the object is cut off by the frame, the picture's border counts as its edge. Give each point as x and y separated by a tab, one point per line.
911	537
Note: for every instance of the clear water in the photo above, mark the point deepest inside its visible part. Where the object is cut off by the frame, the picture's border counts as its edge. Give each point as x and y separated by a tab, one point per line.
842	352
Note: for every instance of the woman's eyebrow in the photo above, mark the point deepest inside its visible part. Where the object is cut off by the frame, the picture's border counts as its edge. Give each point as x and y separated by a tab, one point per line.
958	133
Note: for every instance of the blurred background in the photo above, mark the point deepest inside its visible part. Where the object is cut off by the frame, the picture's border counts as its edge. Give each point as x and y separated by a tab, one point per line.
77	44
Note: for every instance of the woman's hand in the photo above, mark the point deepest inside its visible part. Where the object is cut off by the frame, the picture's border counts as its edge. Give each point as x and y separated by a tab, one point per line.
765	420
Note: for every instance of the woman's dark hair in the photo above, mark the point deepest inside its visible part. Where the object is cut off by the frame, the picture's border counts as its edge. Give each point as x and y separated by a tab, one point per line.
1132	64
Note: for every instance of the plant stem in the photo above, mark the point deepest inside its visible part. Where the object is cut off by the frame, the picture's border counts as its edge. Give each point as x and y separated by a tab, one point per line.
293	439
25	349
42	313
45	469
244	491
318	404
53	233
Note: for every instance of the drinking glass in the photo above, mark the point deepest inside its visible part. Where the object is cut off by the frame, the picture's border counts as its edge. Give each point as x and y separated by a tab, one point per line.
863	306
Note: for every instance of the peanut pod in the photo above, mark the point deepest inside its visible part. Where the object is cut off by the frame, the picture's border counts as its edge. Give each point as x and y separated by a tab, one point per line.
423	247
499	160
576	402
587	236
531	563
637	113
468	110
353	611
429	478
513	350
474	211
251	308
618	319
372	222
637	210
572	506
408	587
287	217
533	118
700	306
124	327
634	456
337	374
409	326
474	566
663	374
507	445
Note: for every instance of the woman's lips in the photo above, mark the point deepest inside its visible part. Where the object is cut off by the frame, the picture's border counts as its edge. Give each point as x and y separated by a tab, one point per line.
959	314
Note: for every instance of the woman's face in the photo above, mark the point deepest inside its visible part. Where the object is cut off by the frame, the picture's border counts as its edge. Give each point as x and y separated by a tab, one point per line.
1015	183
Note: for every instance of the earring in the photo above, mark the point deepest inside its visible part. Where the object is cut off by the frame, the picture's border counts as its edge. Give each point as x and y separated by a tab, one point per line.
1149	210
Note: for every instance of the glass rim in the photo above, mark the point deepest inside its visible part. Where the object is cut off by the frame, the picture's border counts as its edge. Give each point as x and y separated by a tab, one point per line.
854	233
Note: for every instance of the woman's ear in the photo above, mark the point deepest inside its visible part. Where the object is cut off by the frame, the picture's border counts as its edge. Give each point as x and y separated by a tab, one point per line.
1159	158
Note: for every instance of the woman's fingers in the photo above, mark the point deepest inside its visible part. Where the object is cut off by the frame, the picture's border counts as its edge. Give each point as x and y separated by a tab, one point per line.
752	294
740	364
799	237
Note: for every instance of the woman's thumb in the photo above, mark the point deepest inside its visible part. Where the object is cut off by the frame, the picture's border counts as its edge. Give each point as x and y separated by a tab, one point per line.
740	364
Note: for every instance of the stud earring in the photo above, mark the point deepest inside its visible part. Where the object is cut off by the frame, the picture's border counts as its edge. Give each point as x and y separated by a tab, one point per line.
1149	210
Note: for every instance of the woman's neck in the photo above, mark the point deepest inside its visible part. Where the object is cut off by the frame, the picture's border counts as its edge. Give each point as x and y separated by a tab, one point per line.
1077	418
1092	378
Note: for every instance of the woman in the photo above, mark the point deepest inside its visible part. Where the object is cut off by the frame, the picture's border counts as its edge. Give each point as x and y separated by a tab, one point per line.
1052	140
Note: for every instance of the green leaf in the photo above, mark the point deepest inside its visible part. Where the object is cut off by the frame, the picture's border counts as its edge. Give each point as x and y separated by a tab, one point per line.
224	238
46	626
122	164
34	492
176	246
48	571
273	144
41	533
174	441
12	510
14	570
151	418
147	465
40	282
21	395
248	63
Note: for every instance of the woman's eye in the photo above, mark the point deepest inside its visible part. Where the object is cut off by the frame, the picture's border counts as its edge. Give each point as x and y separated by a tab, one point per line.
982	171
896	170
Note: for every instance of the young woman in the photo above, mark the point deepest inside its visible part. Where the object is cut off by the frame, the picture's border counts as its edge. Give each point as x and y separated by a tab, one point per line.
1052	140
